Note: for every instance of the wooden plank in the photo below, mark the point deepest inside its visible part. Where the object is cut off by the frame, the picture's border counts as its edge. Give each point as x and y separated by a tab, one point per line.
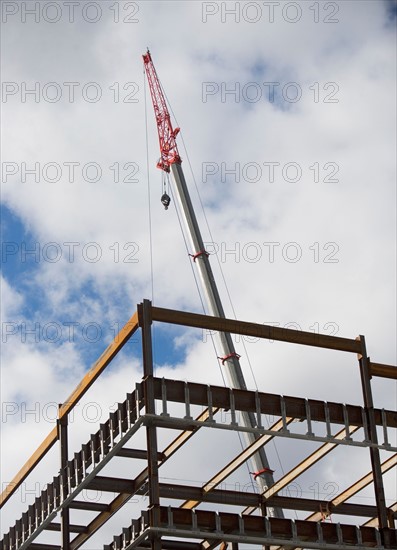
256	330
381	370
119	341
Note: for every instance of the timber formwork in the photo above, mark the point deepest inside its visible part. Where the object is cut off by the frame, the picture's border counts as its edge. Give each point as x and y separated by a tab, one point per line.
151	407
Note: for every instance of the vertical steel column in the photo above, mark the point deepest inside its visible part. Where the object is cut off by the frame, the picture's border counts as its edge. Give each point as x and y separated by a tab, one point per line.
373	437
145	322
62	424
232	366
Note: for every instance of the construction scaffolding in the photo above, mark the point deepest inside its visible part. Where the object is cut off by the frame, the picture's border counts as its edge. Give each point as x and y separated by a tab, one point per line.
157	404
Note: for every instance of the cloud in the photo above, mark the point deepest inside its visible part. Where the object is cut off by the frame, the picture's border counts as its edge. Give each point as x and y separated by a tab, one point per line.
290	131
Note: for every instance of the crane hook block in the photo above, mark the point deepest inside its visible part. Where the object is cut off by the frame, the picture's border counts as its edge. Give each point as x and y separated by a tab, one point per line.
165	200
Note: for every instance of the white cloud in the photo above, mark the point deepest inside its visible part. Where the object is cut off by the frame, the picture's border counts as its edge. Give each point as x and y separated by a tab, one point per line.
354	218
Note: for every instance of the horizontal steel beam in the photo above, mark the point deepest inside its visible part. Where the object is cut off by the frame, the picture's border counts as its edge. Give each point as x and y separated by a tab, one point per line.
239	498
137	453
89	506
112	485
266	403
256	330
384	371
166	544
72	528
222	526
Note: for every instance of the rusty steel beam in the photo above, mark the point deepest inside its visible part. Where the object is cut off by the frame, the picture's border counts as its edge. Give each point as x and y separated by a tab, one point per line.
221	526
384	371
166	544
111	351
269	403
244	498
140	454
65	526
58	527
256	330
112	485
145	322
372	434
89	506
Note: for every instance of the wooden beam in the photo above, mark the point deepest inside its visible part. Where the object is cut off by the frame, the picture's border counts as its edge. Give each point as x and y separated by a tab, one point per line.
256	330
119	341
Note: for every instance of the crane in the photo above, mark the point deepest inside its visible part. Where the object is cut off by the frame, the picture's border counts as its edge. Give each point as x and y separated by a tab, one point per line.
170	161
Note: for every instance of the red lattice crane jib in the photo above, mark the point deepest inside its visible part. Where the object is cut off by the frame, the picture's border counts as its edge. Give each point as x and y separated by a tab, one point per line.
168	147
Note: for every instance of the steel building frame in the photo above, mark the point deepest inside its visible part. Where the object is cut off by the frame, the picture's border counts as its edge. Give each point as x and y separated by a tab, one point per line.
186	527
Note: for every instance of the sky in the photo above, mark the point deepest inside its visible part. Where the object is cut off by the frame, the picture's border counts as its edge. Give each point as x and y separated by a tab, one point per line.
288	139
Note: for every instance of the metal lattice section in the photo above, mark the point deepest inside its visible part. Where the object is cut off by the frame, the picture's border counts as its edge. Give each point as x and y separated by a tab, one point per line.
151	407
